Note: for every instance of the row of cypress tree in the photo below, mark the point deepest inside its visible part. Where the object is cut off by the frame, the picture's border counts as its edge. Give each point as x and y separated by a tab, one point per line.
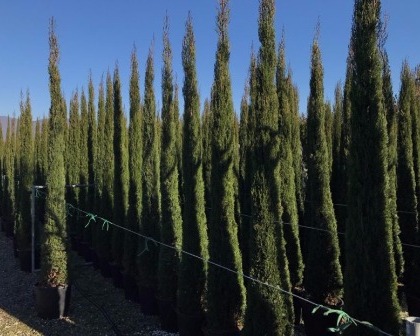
235	191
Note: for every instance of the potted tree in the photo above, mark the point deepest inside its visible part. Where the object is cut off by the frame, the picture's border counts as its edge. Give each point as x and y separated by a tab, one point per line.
323	276
52	293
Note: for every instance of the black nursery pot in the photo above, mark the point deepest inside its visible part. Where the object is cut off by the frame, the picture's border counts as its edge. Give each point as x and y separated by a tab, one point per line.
52	302
105	268
212	332
317	324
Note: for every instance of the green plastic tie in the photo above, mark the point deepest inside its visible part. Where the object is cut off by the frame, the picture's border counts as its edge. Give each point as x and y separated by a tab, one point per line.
91	217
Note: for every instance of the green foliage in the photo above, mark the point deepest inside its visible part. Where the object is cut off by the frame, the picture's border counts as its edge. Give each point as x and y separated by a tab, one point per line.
26	175
207	129
121	173
107	146
226	291
406	184
9	203
392	127
246	131
73	160
83	164
288	188
323	276
91	151
135	140
171	228
268	312
369	237
54	258
192	271
151	209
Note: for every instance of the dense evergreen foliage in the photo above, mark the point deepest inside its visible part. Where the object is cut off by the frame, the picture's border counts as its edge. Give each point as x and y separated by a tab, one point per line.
323	276
151	208
192	271
369	237
268	312
287	172
171	228
226	291
26	180
135	161
54	259
121	174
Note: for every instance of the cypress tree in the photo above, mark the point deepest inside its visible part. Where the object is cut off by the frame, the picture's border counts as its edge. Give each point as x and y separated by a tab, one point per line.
392	125
27	175
9	188
287	173
84	164
135	171
104	247
121	174
192	272
54	258
297	148
226	291
171	230
246	130
336	145
369	239
151	209
73	160
99	175
268	312
323	276
406	184
91	153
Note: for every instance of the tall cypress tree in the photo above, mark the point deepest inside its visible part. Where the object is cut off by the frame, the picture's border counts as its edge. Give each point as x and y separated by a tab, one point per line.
54	257
73	159
392	127
369	239
268	312
323	276
84	163
406	184
91	151
171	230
99	178
26	173
192	271
135	171
226	291
246	131
287	172
104	247
121	174
9	190
151	209
336	145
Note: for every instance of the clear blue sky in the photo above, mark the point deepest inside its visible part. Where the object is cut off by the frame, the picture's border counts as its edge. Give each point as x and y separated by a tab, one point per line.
94	34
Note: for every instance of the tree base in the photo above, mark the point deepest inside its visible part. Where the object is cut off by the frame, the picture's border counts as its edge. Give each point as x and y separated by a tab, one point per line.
167	314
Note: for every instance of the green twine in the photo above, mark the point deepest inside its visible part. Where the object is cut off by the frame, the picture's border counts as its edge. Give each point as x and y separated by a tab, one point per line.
91	217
